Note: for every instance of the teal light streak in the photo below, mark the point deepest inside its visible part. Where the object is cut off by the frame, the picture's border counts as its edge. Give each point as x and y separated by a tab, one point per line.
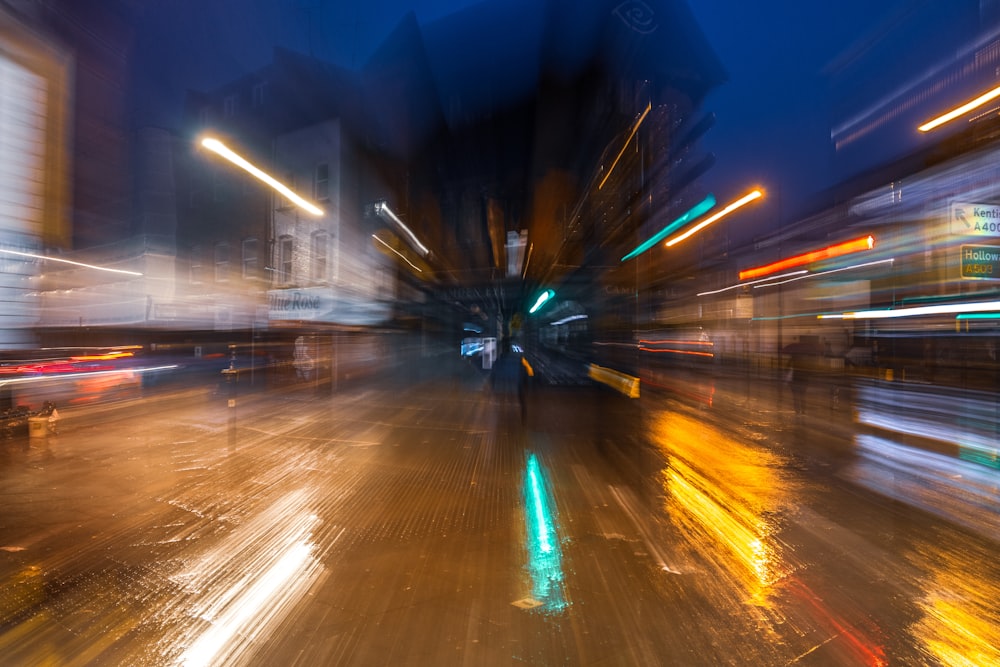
544	554
695	211
978	316
541	516
542	299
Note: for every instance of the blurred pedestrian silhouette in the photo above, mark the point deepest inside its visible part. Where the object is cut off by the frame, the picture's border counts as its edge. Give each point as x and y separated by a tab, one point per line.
804	360
510	377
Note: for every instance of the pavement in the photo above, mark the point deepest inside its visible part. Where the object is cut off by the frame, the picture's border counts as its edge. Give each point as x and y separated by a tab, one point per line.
419	518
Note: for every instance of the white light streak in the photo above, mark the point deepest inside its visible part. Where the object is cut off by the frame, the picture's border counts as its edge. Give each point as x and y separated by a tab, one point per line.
822	273
752	282
221	149
384	208
269	591
248	582
942	309
398	253
69	261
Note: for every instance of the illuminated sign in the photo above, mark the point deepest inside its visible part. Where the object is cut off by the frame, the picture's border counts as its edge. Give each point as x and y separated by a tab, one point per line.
323	304
981	262
974	219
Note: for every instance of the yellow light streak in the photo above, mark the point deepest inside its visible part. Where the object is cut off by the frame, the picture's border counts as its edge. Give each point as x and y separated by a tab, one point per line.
742	201
69	261
635	128
726	495
224	151
965	108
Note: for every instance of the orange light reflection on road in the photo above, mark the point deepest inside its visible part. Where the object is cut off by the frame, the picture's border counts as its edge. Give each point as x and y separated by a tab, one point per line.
722	493
961	621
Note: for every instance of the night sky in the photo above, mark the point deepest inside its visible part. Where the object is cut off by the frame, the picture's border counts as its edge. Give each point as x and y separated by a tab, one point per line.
772	126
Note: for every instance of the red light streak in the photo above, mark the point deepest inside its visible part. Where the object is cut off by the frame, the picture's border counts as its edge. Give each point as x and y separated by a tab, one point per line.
692	352
846	248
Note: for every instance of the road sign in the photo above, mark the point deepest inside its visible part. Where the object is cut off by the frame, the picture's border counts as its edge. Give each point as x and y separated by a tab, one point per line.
974	219
981	262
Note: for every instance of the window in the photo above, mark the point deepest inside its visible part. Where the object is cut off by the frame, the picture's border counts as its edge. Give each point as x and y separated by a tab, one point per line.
320	255
257	93
321	185
229	105
196	272
221	262
384	284
285	247
249	258
284	202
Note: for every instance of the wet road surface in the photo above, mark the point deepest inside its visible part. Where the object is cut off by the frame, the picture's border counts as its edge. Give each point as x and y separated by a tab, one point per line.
426	524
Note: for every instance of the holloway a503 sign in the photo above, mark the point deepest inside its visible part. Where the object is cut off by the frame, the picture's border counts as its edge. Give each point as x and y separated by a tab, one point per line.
981	261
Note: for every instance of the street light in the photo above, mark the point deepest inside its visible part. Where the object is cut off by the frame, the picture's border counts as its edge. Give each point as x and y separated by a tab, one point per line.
221	149
958	111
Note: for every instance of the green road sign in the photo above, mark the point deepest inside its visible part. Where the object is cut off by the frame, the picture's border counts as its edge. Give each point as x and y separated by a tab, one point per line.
981	262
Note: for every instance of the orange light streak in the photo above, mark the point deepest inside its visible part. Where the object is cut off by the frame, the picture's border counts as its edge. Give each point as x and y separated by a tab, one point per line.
845	248
742	201
650	341
965	108
693	352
